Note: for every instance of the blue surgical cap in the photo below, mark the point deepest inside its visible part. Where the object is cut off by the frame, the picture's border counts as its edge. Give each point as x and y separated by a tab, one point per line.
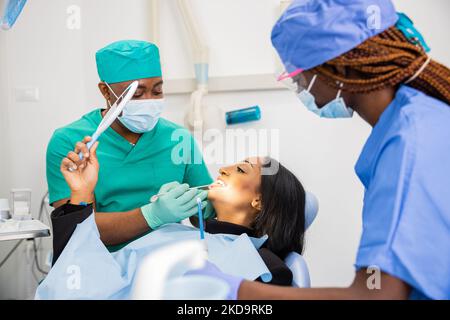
311	32
128	60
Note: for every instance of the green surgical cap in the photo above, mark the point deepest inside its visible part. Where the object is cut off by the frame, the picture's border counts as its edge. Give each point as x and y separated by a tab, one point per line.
128	60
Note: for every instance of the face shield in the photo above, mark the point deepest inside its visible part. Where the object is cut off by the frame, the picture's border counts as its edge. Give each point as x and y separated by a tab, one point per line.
294	81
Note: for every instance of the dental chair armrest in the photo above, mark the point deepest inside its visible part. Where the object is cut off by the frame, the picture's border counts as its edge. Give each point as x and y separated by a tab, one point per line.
299	269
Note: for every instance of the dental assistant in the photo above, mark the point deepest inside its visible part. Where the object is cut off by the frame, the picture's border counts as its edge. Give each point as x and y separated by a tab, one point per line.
135	153
341	60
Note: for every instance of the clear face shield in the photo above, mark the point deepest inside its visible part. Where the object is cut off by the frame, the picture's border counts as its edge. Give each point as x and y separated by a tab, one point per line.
294	81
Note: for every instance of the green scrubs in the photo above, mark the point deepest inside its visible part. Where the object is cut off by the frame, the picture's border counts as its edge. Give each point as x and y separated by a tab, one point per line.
129	174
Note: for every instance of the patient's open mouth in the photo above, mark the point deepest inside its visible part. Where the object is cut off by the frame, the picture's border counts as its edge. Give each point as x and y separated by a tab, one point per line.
218	184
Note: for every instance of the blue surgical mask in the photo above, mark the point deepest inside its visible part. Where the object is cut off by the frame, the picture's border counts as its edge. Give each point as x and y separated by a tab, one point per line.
336	108
140	116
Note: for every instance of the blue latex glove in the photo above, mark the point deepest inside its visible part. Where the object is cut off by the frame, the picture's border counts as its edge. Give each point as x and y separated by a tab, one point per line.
211	270
175	203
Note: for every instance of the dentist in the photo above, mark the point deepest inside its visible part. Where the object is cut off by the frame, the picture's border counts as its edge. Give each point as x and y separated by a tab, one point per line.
135	153
340	60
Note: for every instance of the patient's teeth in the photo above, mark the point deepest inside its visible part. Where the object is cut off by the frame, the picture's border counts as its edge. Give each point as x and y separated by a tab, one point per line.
217	184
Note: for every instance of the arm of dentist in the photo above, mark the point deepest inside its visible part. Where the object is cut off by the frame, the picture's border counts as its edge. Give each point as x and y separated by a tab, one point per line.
177	203
366	286
390	288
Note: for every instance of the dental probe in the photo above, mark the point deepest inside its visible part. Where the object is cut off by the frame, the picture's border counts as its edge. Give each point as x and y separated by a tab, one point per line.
156	196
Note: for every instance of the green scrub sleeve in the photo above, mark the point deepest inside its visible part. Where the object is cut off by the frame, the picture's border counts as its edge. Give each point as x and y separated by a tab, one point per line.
56	151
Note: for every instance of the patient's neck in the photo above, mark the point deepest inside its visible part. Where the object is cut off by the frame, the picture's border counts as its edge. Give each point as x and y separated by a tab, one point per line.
226	213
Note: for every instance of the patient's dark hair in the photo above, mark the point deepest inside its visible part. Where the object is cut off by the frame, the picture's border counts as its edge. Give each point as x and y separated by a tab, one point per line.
282	216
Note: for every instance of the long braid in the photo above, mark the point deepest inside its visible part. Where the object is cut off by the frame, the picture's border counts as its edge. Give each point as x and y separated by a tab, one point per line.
385	60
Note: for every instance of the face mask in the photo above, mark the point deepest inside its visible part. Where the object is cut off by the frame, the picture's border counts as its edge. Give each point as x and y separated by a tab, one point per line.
140	116
333	109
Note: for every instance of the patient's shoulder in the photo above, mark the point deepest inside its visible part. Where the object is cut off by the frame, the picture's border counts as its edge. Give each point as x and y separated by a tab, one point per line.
281	274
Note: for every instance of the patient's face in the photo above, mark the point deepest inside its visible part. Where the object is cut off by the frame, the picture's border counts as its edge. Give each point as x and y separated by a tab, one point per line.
237	187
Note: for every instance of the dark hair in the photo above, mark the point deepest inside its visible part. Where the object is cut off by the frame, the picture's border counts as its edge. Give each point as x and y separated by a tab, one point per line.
388	59
282	216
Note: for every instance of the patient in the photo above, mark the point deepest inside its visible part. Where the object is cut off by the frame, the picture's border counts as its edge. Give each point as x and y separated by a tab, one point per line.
245	201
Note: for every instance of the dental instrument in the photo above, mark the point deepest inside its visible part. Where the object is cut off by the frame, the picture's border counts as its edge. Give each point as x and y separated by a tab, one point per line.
160	275
156	196
201	226
113	113
200	219
9	12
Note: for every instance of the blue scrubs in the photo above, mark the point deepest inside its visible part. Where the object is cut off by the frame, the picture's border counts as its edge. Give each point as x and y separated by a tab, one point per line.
405	169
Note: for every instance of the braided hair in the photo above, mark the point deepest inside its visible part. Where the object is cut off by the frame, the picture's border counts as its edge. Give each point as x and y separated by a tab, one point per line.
387	60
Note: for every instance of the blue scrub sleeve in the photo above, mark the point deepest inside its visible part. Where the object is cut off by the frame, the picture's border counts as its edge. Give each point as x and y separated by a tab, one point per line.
405	226
56	151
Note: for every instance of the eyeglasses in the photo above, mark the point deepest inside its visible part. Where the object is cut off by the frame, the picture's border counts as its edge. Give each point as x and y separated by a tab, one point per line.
294	81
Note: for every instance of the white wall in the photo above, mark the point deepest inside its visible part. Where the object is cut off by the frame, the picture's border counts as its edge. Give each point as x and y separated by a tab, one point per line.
4	130
40	51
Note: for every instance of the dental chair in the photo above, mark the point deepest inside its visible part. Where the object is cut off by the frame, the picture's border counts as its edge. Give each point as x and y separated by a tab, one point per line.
193	254
299	268
294	261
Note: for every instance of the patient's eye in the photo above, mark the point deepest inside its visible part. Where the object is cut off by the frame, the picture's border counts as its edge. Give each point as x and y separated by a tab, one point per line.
239	169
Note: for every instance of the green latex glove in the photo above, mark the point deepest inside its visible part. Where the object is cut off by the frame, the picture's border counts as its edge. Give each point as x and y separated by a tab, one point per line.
176	203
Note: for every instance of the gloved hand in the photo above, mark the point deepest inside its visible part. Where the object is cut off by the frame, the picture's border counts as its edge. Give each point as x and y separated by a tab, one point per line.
175	203
211	270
